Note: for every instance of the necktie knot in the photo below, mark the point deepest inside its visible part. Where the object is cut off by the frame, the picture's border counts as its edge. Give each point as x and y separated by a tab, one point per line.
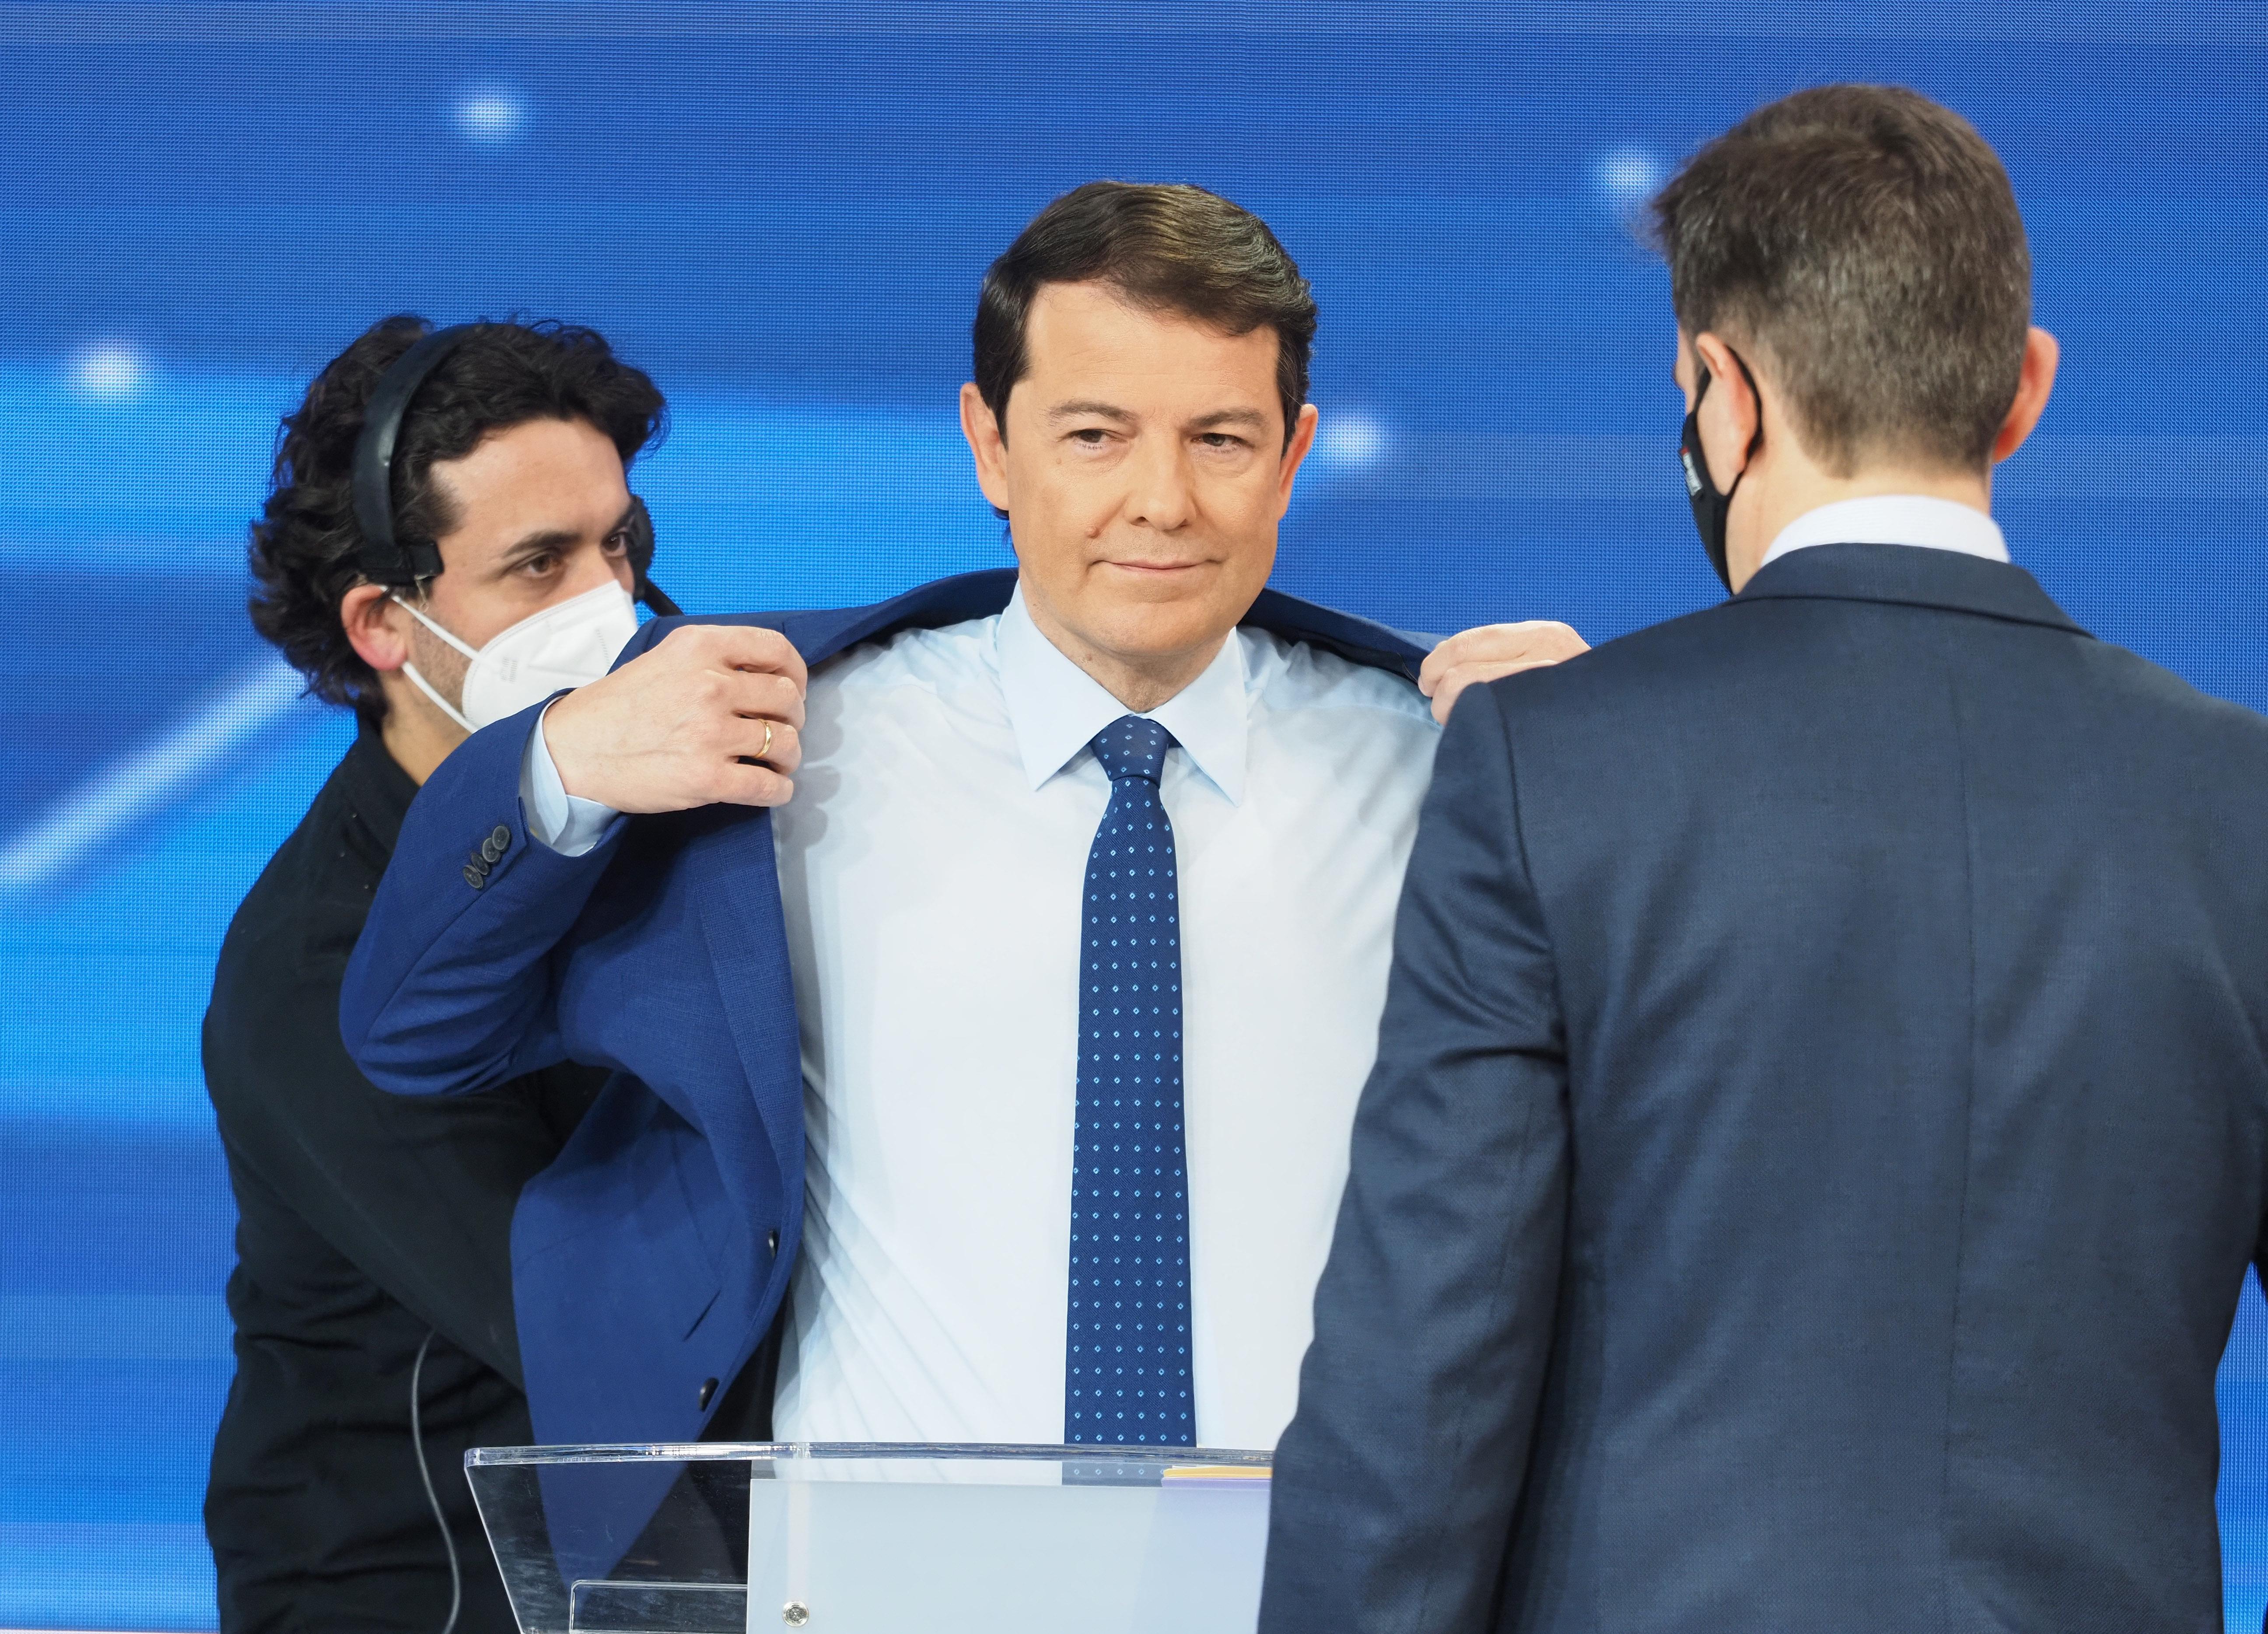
1132	746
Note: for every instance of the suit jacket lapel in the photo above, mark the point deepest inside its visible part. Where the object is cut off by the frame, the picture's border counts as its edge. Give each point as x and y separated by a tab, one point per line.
736	888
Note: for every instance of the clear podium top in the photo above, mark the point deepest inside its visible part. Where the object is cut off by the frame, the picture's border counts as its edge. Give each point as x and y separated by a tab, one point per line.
851	1538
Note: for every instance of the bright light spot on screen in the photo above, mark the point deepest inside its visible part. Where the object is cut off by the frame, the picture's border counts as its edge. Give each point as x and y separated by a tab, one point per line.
489	114
111	371
1352	441
1627	177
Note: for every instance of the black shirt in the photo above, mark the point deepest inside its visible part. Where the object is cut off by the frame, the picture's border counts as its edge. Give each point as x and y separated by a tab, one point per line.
367	1220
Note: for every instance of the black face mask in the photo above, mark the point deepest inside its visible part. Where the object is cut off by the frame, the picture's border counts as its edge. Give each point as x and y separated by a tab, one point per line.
1709	507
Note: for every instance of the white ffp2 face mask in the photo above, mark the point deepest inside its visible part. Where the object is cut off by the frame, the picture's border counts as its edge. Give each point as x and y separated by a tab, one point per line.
570	644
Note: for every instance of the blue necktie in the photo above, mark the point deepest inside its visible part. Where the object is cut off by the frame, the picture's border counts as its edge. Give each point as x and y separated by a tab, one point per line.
1127	1378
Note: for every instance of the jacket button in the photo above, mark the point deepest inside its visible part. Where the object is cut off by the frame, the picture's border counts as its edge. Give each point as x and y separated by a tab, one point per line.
490	851
500	837
474	878
772	1238
707	1389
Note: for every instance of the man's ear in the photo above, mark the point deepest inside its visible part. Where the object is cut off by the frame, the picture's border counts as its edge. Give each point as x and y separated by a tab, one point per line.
1303	439
2041	355
1730	413
374	628
987	445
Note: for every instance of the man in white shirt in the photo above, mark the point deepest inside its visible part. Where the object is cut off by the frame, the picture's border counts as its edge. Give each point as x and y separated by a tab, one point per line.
943	937
1090	869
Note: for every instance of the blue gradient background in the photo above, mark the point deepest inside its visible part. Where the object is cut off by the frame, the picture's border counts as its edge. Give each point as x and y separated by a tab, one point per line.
783	213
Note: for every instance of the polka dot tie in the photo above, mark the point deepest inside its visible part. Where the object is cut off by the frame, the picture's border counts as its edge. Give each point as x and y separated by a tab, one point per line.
1127	1380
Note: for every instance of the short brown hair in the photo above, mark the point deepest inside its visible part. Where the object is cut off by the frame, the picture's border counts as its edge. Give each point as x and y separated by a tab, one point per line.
1868	240
1167	248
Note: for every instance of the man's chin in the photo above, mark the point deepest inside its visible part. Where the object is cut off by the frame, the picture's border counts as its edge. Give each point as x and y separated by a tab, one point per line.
1161	626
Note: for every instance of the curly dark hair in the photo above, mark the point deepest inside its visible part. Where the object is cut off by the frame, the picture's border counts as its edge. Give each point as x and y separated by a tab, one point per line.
306	548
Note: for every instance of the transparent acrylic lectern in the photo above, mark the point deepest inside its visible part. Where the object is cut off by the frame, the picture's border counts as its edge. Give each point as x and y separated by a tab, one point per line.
843	1539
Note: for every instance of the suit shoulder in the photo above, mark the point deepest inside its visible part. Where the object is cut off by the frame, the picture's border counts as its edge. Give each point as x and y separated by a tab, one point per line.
940	658
1629	668
1788	645
2183	707
820	633
1285	675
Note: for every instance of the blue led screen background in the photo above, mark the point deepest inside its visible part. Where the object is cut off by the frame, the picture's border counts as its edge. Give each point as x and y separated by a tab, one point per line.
783	213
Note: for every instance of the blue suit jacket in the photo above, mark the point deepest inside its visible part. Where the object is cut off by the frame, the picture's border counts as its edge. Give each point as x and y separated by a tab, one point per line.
1819	1130
649	1261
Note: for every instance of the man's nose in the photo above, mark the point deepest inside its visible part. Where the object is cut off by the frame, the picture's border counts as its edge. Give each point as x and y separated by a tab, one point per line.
1160	497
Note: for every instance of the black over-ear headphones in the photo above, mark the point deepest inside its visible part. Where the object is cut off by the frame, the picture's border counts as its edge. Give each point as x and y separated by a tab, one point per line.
388	561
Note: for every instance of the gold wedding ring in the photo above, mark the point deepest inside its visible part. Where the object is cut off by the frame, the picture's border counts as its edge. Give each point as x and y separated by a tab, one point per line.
767	749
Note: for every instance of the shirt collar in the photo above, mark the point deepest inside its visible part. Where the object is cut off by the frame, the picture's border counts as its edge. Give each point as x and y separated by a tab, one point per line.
1894	519
1055	708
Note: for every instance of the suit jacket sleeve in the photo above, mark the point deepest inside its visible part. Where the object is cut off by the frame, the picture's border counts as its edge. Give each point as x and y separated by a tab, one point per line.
451	987
1397	1483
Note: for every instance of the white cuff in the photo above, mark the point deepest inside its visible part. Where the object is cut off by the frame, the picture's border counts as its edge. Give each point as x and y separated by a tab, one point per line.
567	823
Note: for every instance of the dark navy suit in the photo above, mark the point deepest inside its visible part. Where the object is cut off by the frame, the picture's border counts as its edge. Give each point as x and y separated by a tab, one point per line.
650	1260
1816	1142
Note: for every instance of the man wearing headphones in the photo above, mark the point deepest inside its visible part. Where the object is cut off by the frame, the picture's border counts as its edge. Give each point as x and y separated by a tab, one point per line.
434	571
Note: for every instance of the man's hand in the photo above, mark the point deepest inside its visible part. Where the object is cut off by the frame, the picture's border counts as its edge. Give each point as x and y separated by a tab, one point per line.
1489	653
674	728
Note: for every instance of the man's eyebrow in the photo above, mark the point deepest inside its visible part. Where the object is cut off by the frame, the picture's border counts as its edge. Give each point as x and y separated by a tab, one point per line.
557	539
1251	417
536	544
1099	410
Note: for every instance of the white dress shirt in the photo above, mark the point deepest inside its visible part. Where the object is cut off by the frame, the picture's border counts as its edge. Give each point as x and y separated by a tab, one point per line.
1893	519
931	864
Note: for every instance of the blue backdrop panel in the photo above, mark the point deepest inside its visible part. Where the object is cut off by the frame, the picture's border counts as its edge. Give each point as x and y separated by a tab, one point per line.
782	212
